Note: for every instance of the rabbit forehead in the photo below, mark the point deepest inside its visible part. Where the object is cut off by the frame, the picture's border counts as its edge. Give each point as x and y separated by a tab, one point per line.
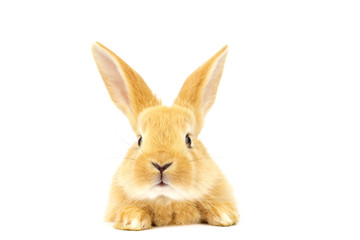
163	118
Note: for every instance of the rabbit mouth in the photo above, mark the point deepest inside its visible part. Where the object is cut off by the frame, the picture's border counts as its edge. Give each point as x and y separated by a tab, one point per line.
162	181
162	184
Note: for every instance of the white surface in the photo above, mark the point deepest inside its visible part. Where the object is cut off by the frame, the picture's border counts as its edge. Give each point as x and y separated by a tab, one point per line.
284	128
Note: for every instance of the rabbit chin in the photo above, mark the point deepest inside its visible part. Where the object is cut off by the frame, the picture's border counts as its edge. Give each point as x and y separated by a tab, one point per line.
169	192
163	191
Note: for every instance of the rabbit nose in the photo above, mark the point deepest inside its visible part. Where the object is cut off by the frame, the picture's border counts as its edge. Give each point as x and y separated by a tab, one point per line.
161	168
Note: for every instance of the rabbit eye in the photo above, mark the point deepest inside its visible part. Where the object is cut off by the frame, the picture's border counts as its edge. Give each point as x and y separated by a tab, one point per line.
140	141
188	141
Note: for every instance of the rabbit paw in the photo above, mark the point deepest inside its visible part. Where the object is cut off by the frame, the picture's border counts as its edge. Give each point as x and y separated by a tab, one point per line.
133	218
222	215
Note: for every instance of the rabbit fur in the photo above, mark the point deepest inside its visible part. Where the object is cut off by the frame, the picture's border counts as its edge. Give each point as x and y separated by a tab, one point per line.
191	189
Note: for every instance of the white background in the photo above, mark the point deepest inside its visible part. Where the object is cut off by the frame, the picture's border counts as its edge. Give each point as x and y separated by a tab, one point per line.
284	128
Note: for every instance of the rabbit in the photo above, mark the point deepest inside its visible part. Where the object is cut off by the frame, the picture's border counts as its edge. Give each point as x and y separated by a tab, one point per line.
167	176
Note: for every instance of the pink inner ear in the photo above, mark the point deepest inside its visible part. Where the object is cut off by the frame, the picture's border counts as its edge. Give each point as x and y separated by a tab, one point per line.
209	92
113	78
210	89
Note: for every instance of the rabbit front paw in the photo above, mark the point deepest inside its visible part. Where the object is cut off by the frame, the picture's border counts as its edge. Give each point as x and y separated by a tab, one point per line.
133	218
222	215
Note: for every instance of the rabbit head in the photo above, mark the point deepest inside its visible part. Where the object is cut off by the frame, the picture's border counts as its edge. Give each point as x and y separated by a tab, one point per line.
168	159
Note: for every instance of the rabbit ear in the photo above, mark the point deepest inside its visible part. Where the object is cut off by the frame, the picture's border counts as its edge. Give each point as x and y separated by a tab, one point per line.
127	89
199	90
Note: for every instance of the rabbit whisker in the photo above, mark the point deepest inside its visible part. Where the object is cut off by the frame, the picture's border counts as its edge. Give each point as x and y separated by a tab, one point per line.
120	157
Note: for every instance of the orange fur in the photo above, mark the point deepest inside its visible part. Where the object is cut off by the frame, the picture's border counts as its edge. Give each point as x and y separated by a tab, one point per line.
196	190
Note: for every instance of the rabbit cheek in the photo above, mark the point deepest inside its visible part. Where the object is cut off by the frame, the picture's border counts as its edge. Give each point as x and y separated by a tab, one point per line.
182	176
142	173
